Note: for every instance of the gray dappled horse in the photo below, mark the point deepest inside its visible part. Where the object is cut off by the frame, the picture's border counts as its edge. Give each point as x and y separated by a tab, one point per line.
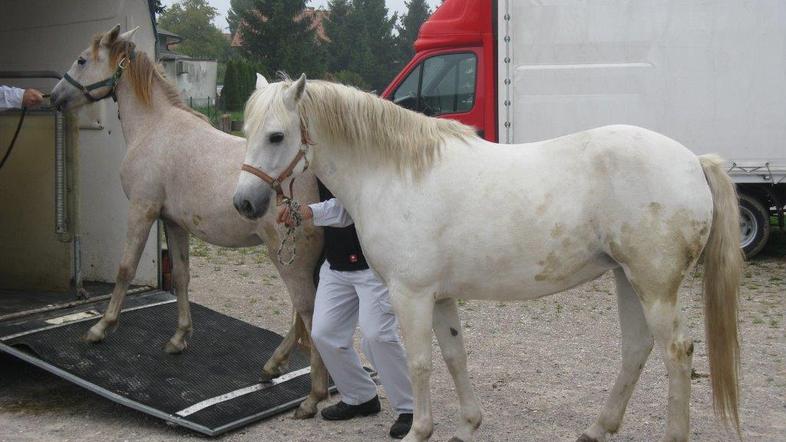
180	169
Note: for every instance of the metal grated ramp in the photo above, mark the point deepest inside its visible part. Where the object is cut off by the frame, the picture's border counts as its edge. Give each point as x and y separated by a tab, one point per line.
212	387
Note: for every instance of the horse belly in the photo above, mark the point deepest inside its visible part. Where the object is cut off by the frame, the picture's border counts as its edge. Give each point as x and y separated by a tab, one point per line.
224	228
522	278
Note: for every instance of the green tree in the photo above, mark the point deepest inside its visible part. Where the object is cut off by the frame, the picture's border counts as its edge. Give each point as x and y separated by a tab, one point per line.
417	13
192	20
339	31
239	84
376	43
362	41
278	34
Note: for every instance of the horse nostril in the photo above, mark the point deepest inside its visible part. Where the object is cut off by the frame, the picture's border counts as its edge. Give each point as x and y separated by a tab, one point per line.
246	207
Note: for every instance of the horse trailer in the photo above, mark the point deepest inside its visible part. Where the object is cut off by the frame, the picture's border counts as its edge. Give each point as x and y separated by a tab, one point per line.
708	74
62	230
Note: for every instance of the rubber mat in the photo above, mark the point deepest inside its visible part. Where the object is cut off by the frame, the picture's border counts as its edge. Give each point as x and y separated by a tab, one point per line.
212	387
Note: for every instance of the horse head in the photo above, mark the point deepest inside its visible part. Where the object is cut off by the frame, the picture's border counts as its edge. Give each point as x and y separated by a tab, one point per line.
275	144
95	73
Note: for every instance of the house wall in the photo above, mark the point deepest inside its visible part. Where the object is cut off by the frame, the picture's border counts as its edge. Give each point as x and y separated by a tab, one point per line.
197	84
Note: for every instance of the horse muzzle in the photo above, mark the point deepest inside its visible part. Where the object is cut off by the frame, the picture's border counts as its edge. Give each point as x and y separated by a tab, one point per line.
252	205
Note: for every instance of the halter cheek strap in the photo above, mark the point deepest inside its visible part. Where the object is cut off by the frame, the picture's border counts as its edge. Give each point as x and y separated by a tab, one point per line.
110	82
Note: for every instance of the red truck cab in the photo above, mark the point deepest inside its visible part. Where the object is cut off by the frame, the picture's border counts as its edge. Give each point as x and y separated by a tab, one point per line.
453	73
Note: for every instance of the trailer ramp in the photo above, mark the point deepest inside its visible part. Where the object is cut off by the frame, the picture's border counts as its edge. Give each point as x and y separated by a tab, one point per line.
212	387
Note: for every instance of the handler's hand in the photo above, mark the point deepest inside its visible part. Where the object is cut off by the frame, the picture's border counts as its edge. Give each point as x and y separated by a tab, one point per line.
32	98
284	218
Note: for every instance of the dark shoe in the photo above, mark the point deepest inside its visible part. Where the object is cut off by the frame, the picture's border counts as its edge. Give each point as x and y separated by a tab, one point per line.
343	411
401	427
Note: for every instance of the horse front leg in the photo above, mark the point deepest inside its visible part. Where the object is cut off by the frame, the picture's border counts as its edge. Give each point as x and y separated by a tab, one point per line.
414	312
177	239
447	327
141	216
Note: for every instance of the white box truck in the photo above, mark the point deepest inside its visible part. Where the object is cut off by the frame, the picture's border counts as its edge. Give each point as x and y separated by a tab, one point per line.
710	74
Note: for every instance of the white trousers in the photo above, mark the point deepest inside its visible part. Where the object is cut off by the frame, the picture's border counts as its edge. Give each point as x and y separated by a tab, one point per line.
344	299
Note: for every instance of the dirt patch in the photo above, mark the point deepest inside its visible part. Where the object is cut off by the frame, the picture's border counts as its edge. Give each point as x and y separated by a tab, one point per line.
542	369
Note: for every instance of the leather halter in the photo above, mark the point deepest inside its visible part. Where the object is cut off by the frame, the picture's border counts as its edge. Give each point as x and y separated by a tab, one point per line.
110	82
275	183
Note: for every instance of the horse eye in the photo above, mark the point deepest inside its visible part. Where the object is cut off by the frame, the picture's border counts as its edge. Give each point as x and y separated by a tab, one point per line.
81	61
276	138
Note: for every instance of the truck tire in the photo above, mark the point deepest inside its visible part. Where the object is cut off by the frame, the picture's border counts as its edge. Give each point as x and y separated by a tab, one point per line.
754	225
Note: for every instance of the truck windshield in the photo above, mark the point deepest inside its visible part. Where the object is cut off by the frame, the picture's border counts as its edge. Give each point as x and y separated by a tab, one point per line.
442	84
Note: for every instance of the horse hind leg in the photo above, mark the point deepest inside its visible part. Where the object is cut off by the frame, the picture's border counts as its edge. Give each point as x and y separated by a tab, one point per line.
637	342
140	218
177	239
677	352
319	377
658	294
299	280
447	328
277	364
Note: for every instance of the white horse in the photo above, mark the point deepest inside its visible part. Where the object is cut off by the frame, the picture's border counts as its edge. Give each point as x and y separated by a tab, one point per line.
180	169
442	214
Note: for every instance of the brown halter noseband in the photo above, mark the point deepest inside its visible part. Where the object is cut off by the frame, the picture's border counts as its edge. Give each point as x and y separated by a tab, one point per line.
275	183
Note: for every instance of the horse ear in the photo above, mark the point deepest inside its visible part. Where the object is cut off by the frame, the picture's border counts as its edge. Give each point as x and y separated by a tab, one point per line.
110	36
295	92
128	35
261	81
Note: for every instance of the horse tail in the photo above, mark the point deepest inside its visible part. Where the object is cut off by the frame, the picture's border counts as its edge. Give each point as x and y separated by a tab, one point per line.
723	262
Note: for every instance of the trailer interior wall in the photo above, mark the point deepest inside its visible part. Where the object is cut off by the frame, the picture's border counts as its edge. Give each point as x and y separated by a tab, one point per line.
709	74
46	35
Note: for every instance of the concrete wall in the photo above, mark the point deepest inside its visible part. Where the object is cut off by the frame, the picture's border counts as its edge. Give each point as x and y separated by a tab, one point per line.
197	80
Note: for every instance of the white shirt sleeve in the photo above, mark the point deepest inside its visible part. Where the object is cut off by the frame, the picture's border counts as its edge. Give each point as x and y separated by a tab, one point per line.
10	97
330	213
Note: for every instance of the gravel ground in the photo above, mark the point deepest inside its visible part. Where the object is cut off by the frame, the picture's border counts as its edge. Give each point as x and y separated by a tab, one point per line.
542	369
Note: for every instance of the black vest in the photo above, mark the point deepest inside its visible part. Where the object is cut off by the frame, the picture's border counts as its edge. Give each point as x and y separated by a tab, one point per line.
342	247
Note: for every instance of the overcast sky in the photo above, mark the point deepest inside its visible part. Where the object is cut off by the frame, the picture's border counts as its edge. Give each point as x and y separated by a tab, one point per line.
223	6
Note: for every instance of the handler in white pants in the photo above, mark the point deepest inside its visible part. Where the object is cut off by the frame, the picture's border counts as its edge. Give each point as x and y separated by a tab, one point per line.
350	293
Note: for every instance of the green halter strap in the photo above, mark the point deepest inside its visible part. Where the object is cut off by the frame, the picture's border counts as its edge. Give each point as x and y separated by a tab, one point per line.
110	82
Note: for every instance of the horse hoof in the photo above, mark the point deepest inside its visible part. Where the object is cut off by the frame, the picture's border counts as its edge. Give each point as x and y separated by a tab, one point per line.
585	438
301	414
173	348
93	337
267	376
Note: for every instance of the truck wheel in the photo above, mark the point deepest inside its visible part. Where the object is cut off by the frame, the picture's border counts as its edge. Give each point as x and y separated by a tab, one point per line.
754	225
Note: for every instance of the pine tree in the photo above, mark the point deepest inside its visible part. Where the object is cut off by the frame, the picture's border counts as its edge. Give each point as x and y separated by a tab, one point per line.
278	34
228	92
374	43
417	13
239	83
342	39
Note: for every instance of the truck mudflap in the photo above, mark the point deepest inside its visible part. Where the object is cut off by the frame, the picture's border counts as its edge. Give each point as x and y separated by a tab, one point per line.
212	387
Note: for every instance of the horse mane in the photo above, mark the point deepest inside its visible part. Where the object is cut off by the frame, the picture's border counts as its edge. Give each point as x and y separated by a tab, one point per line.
362	122
142	73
